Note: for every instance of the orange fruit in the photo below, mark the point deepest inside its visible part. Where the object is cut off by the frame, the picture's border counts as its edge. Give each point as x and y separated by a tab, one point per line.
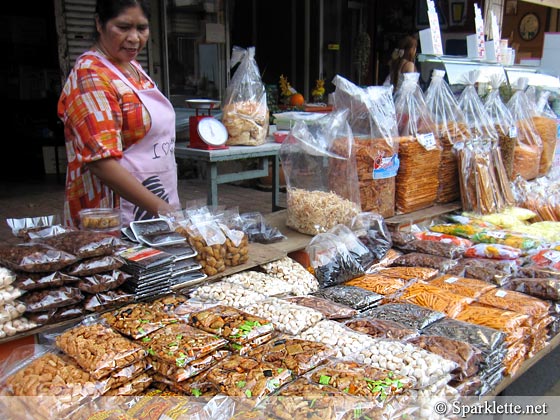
297	99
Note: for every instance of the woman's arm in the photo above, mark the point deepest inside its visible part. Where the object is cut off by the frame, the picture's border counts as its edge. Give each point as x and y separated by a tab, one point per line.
112	174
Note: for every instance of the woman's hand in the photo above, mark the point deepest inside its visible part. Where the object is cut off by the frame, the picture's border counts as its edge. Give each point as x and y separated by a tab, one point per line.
123	183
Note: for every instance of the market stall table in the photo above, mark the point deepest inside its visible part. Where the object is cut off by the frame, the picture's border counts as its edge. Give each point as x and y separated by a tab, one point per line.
265	153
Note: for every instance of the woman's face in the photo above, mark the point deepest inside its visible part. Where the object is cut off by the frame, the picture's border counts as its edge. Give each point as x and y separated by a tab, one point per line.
123	37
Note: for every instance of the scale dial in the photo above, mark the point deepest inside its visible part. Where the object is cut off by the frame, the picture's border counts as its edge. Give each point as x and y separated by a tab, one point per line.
212	131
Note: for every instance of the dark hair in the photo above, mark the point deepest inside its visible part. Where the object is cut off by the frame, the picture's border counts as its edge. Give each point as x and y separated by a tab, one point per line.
407	44
105	10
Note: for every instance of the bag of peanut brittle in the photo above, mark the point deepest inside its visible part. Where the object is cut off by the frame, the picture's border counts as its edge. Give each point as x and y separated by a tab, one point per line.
372	119
419	149
450	129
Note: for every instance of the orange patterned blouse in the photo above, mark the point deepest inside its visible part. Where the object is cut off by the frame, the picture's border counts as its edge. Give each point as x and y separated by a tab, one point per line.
102	117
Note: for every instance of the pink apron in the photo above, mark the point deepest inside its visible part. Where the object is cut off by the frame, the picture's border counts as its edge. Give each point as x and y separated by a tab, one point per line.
152	159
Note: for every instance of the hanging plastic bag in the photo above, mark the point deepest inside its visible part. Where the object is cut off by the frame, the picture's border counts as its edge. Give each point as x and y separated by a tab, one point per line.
547	128
503	122
476	116
528	149
480	175
245	111
373	122
450	129
419	149
322	186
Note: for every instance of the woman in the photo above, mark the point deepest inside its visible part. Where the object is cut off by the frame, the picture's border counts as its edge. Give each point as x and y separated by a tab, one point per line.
402	60
119	128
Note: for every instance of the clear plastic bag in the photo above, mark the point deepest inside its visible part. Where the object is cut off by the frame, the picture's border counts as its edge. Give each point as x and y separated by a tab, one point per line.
84	244
372	119
332	262
545	122
256	228
542	288
36	281
98	349
382	328
322	185
408	314
329	308
95	265
418	259
450	128
419	149
352	296
245	110
371	230
486	339
46	299
503	122
467	356
299	356
34	258
529	146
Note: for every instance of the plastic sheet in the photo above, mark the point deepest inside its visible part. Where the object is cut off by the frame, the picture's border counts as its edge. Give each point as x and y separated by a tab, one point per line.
53	384
137	320
36	281
298	356
354	297
486	339
360	379
238	376
381	328
503	122
467	356
329	308
542	288
98	349
378	283
371	230
515	301
230	323
85	244
107	300
102	282
432	297
418	259
46	299
472	288
34	258
408	314
178	344
95	265
493	251
440	249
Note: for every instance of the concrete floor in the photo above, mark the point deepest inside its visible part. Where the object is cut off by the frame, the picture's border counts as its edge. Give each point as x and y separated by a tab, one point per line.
33	198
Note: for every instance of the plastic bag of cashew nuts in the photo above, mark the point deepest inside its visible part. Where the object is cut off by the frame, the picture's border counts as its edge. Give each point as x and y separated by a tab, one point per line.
245	111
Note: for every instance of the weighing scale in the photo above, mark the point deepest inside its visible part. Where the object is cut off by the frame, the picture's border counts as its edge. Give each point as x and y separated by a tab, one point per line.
205	131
